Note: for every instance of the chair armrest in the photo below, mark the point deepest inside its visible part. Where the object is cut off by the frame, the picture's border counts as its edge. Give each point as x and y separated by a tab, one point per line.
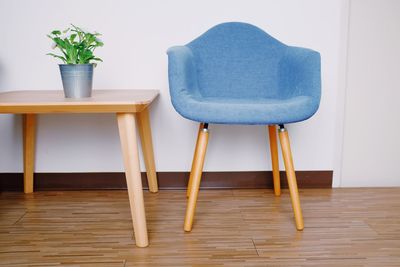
182	73
300	73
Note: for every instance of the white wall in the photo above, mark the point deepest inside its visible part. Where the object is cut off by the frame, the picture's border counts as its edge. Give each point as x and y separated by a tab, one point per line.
371	141
136	36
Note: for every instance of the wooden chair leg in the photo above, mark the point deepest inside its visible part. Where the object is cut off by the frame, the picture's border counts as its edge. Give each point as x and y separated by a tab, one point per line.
274	158
29	132
143	121
291	177
127	133
201	126
196	172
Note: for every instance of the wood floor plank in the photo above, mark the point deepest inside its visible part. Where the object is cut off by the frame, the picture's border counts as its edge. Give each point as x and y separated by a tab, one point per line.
348	227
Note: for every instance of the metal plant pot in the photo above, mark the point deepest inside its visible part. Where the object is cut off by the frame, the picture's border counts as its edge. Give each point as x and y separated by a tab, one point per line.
77	80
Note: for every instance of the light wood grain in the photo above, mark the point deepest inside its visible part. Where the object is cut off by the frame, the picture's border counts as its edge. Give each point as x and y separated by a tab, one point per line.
53	101
189	187
29	136
345	227
273	144
123	102
197	170
291	177
143	121
127	132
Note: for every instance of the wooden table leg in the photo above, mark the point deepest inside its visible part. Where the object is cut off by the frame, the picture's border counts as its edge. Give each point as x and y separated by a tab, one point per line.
143	122
29	130
127	133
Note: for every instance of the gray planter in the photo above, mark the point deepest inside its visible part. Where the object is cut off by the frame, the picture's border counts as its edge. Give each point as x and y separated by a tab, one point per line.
77	80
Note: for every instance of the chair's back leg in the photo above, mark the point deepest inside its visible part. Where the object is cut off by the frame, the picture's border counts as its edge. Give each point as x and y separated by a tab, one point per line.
195	176
291	177
274	158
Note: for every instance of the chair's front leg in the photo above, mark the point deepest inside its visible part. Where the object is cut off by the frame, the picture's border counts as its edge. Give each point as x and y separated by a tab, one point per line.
29	132
273	145
201	126
291	177
127	133
195	176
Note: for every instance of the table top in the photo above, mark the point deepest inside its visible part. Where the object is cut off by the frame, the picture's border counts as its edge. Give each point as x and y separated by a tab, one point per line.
53	101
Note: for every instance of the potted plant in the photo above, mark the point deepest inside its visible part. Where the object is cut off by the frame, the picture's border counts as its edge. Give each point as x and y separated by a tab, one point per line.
77	47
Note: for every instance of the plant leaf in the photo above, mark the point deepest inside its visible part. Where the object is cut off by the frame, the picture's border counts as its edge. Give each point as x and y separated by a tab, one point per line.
72	38
59	42
57	56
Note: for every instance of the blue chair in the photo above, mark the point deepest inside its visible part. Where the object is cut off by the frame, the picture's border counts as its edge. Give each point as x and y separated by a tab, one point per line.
235	73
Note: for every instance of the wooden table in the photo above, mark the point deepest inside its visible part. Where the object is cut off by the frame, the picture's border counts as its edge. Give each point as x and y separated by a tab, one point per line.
131	108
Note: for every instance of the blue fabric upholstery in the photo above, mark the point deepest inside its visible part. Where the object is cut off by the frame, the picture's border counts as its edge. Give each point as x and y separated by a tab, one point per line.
235	73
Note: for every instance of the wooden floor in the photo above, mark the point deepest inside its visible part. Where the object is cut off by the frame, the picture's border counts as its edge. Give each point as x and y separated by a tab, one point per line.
343	227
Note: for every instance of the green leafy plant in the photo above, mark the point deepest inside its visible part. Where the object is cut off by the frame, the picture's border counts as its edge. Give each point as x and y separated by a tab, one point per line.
76	45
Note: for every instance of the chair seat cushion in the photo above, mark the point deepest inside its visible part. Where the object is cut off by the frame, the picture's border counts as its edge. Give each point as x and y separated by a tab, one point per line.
261	111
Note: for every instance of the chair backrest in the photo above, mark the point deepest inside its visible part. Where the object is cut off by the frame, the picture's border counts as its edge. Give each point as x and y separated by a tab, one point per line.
237	60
